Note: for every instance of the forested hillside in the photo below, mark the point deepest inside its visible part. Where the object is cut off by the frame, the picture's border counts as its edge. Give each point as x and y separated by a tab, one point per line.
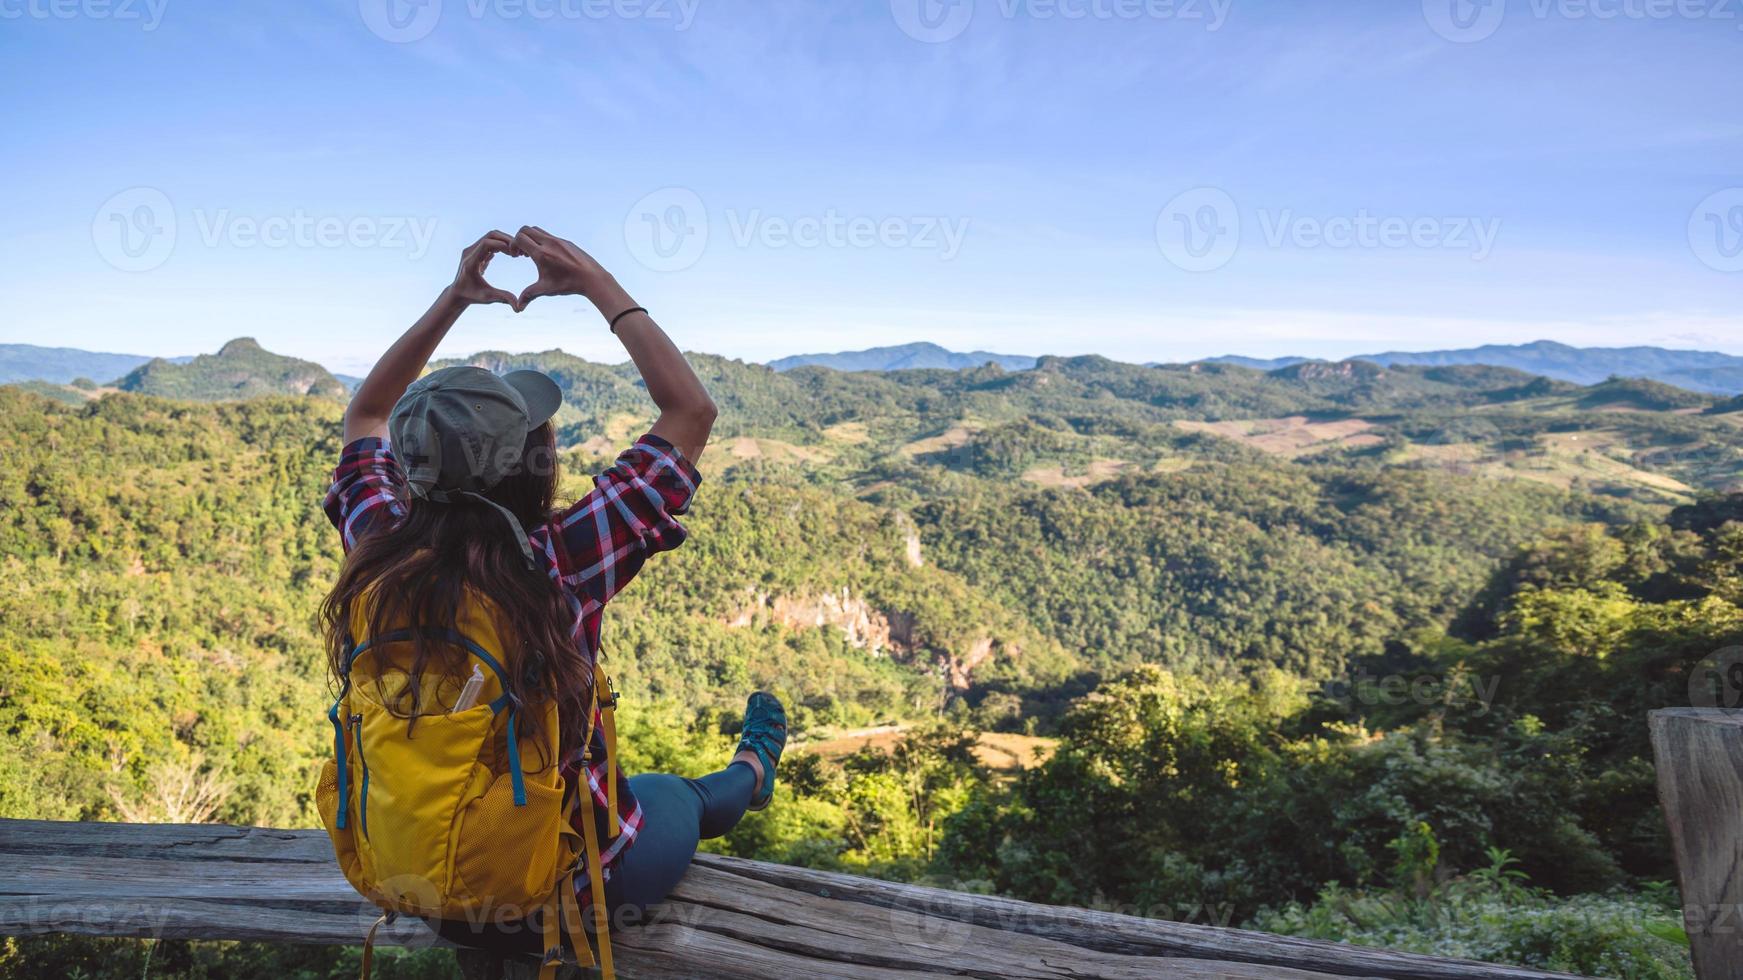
1182	587
240	369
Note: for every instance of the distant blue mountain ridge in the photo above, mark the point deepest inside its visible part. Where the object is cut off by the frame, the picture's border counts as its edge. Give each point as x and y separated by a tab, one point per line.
1704	371
60	365
904	357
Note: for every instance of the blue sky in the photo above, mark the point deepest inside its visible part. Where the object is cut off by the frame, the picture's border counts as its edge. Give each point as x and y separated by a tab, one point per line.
1147	179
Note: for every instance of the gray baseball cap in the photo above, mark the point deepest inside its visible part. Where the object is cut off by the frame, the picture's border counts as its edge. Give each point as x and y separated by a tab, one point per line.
460	430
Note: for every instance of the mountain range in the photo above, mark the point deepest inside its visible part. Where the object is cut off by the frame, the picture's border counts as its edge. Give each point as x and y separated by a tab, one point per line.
904	357
1705	371
251	370
240	369
63	365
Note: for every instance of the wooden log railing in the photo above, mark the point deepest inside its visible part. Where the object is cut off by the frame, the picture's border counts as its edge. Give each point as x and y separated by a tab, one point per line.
729	918
1699	754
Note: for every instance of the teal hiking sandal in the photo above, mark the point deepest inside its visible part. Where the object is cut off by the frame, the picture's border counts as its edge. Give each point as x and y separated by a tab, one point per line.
765	733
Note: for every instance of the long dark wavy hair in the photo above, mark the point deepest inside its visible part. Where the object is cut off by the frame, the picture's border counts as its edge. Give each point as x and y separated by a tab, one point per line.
422	568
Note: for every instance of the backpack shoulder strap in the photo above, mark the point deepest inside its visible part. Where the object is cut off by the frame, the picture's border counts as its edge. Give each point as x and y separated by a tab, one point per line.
608	727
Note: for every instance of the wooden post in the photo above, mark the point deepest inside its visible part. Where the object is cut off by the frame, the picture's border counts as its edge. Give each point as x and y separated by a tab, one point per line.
1699	752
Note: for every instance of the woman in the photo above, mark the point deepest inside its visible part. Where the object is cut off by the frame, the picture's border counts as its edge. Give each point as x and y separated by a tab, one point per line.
466	509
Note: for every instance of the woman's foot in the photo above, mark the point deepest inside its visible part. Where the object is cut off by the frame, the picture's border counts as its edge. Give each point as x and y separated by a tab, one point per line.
760	743
749	759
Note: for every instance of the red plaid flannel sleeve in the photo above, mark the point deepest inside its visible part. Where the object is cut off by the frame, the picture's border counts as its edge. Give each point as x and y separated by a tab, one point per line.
365	493
600	543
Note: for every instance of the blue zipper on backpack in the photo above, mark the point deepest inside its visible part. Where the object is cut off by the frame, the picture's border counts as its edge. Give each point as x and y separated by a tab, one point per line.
342	816
363	792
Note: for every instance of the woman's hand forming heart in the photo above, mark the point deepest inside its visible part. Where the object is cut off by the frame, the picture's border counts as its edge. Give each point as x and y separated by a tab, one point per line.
564	269
469	286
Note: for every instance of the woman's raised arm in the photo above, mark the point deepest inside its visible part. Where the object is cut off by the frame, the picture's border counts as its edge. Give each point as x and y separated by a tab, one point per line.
404	361
686	411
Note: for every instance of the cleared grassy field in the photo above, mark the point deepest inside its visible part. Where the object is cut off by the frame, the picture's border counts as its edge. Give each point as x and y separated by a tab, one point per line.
1004	752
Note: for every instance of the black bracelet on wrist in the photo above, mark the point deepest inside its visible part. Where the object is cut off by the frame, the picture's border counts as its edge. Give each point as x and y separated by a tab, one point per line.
633	309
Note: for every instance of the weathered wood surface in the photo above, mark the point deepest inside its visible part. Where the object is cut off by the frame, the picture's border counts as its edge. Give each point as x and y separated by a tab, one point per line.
1699	753
729	918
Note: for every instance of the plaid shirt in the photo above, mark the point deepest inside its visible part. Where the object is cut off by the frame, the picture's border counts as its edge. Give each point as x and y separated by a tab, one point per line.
591	551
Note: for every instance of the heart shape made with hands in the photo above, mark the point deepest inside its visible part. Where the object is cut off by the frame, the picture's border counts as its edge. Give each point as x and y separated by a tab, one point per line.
540	263
511	272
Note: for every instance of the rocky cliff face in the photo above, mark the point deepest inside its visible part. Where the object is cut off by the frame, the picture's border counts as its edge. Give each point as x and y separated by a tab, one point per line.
959	668
1341	371
868	628
879	632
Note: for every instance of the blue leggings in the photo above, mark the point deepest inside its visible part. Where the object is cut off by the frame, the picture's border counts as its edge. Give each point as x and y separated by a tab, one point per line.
679	813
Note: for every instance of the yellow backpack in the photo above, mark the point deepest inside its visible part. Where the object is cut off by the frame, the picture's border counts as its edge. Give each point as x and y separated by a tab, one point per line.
438	818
